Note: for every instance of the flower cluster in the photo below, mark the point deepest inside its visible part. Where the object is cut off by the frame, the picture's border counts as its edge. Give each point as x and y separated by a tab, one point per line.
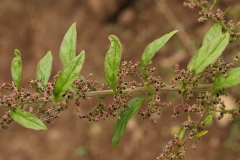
207	12
186	77
175	149
218	66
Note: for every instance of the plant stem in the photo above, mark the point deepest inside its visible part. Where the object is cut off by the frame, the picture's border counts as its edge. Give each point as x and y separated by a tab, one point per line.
147	89
230	111
137	90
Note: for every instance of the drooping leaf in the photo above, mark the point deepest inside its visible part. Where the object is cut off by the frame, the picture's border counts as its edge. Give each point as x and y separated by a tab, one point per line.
27	120
208	119
16	69
232	79
68	46
125	116
112	62
68	75
208	53
44	69
181	133
200	134
152	48
214	32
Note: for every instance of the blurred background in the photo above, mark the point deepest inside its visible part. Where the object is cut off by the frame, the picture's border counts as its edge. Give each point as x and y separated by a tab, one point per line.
37	26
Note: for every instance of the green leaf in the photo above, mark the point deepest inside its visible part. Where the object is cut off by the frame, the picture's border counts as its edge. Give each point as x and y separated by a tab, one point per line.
68	75
125	116
208	53
214	32
181	133
27	120
44	69
68	46
112	62
200	134
232	79
237	24
151	50
16	69
208	119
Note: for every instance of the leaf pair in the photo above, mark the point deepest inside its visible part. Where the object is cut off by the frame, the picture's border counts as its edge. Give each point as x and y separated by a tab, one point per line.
72	63
111	69
213	45
24	118
113	57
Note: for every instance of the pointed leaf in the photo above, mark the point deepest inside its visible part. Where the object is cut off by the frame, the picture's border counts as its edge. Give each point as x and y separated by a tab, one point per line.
181	133
232	79
151	50
200	134
237	24
208	53
27	120
68	46
208	119
68	75
214	32
125	116
16	69
44	69
112	62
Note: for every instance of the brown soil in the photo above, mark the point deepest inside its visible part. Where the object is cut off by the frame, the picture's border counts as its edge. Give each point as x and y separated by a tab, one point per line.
35	27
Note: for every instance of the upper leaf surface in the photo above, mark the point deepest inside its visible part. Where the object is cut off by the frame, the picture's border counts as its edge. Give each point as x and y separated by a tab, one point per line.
232	79
125	116
68	75
152	48
16	69
68	46
181	133
112	62
27	120
208	53
200	134
214	32
44	69
208	119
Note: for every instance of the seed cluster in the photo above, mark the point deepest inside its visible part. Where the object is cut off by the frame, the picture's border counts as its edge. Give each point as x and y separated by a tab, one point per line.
218	66
206	101
120	100
188	79
13	100
207	12
175	149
